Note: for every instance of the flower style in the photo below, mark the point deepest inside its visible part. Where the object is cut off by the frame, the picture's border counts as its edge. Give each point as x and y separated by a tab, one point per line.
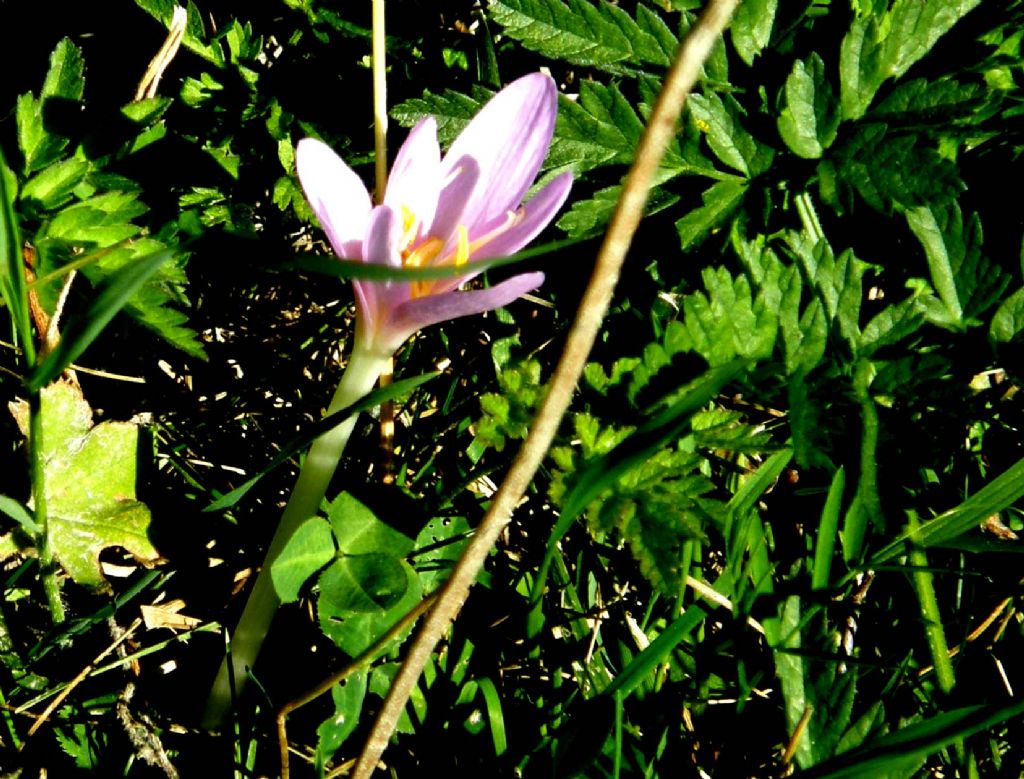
441	212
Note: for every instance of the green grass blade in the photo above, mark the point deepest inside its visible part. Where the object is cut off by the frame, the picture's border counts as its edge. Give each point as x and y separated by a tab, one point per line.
84	329
998	494
12	270
914	742
828	526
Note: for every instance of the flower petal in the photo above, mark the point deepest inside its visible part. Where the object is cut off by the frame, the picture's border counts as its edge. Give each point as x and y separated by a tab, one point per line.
418	313
456	194
538	212
415	178
375	298
509	140
336	194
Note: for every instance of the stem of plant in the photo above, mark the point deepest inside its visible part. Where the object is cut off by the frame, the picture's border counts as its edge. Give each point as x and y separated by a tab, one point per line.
364	368
661	128
47	564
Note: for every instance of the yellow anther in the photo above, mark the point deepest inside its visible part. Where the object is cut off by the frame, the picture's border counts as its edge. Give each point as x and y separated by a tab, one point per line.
423	254
462	246
410	225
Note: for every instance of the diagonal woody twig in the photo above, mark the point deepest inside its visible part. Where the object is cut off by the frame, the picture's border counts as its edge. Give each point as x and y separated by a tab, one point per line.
679	80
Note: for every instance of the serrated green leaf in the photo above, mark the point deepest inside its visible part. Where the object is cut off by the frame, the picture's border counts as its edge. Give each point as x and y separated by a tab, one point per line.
727	323
194	37
309	549
359	532
587	217
718	119
581	33
451	109
808	122
751	27
89	483
891	324
923	224
1008	321
65	78
52	186
720	201
877	49
145	112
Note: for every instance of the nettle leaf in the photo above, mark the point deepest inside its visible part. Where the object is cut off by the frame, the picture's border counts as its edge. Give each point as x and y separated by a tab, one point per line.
452	110
1008	321
581	33
89	483
718	119
751	27
728	322
809	121
887	169
507	414
877	49
720	202
587	217
64	80
602	128
54	184
309	549
966	281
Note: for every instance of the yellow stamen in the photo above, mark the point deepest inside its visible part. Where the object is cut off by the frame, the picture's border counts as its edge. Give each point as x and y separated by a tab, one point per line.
423	254
462	246
410	226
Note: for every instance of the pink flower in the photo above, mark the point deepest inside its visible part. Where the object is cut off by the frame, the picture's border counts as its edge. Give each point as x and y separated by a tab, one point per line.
437	212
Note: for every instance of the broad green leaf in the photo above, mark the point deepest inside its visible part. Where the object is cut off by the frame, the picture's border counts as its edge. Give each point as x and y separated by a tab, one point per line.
587	217
363	583
1008	320
355	632
359	532
443	539
720	201
751	27
809	121
89	484
719	120
790	667
309	549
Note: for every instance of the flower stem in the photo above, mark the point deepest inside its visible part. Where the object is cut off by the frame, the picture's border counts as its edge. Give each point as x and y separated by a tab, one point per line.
363	369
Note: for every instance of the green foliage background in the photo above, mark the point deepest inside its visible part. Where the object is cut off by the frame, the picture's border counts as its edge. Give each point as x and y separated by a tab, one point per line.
756	542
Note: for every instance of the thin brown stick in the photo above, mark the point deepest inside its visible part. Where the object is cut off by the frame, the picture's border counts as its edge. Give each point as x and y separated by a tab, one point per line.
59	699
325	686
661	128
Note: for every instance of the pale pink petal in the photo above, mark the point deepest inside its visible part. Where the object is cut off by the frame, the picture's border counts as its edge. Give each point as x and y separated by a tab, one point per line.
455	196
415	178
336	194
375	298
538	212
418	313
509	140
